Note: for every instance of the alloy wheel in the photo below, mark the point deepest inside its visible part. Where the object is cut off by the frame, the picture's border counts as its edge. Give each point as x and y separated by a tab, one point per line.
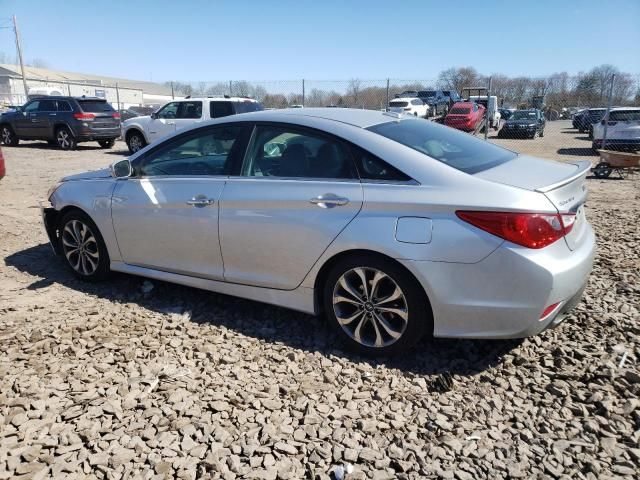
64	141
135	143
6	136
80	247
370	307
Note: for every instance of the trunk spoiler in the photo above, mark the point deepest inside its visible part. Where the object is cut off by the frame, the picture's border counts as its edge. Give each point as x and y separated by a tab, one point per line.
583	168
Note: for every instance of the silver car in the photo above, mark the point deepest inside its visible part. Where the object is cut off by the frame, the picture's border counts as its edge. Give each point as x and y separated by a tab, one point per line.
391	226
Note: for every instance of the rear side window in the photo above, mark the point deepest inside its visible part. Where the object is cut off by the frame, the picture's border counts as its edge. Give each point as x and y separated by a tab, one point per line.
447	145
95	106
624	116
373	168
245	107
63	106
220	109
399	104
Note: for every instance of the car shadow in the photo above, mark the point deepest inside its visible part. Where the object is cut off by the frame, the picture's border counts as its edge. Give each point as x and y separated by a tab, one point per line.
121	153
46	146
577	151
439	357
569	130
582	137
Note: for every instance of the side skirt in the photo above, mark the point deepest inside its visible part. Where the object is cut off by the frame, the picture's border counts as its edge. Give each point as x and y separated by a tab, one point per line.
300	299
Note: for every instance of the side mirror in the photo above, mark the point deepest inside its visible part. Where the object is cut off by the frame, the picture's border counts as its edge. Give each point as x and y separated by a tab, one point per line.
154	115
121	169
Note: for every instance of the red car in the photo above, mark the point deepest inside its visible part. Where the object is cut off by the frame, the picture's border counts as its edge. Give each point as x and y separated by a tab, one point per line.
465	116
3	170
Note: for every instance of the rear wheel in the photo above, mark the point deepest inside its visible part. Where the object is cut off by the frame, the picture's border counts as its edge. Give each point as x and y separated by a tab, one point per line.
107	143
375	306
83	247
135	141
65	139
602	170
8	136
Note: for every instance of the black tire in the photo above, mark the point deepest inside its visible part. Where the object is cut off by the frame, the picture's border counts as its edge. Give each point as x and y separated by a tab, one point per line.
65	139
542	133
602	170
135	141
8	136
93	248
107	143
414	302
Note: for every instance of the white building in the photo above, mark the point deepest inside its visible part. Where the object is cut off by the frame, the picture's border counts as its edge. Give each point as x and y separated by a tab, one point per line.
120	92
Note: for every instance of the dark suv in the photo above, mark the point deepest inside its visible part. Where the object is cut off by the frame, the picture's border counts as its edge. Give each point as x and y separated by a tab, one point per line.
62	121
437	101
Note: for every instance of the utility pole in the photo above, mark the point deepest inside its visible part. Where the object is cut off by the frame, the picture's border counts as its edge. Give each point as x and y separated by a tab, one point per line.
606	115
24	80
487	122
303	92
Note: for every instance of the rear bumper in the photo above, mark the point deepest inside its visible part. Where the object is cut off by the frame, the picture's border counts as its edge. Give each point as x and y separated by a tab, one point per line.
504	295
87	134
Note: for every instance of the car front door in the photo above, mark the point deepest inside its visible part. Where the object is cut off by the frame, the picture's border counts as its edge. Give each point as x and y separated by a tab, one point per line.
46	115
297	191
166	216
26	123
163	122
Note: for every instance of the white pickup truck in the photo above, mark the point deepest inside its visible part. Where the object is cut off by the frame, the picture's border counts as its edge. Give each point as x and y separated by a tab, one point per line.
492	108
138	132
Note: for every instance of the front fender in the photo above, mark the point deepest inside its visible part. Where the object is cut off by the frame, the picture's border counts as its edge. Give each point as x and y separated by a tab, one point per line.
140	126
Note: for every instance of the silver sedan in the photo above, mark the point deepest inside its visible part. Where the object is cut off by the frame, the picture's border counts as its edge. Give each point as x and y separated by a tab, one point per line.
392	227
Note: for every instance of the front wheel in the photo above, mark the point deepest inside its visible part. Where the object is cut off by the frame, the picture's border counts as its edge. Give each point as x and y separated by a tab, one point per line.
106	143
65	139
8	136
83	247
135	141
602	170
376	306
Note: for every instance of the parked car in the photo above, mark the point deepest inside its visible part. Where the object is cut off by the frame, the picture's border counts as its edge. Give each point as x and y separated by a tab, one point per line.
583	120
127	113
623	130
62	121
140	131
391	226
410	106
452	96
3	168
524	124
437	101
492	105
466	116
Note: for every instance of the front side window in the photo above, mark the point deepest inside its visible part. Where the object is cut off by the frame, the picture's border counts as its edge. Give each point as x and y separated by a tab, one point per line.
47	106
32	107
191	110
170	110
203	152
447	145
278	151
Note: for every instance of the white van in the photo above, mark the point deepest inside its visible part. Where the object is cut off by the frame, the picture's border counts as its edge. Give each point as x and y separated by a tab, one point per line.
492	106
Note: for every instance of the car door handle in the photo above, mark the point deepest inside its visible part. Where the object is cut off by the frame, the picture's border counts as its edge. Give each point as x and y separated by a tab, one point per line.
171	123
52	114
200	201
34	120
329	200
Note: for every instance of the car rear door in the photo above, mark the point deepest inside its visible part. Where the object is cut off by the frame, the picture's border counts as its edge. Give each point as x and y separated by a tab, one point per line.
297	191
166	217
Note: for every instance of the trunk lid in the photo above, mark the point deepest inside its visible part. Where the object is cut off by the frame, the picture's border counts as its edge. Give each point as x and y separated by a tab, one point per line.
562	183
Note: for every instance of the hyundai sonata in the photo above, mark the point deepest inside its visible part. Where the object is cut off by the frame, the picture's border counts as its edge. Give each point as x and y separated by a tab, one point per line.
391	226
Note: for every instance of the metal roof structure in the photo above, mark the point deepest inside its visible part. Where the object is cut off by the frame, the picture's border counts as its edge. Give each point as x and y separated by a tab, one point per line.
46	74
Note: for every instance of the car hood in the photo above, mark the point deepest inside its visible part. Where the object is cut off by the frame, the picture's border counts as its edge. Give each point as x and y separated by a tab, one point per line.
138	120
93	175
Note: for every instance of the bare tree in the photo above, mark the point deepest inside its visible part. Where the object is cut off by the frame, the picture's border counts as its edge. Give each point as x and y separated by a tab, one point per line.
354	89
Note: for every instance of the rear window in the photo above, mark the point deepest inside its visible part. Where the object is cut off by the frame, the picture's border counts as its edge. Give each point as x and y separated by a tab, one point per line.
624	116
460	111
447	145
220	109
398	104
245	107
95	106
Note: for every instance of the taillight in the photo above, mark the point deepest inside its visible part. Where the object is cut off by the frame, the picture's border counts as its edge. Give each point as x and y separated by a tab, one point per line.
84	116
531	230
116	115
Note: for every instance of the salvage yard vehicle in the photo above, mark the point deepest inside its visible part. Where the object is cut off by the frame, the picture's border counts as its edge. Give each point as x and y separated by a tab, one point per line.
409	106
140	131
623	130
438	102
583	120
465	116
391	226
524	124
62	121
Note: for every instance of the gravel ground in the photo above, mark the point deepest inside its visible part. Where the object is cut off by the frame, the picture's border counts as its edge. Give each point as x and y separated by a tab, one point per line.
138	379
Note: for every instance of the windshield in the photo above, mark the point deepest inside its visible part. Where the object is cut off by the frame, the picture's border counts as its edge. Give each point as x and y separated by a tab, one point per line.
447	145
427	93
523	115
459	111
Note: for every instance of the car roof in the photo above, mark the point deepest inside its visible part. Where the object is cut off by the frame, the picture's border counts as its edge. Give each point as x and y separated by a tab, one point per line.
403	99
217	98
351	116
617	109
